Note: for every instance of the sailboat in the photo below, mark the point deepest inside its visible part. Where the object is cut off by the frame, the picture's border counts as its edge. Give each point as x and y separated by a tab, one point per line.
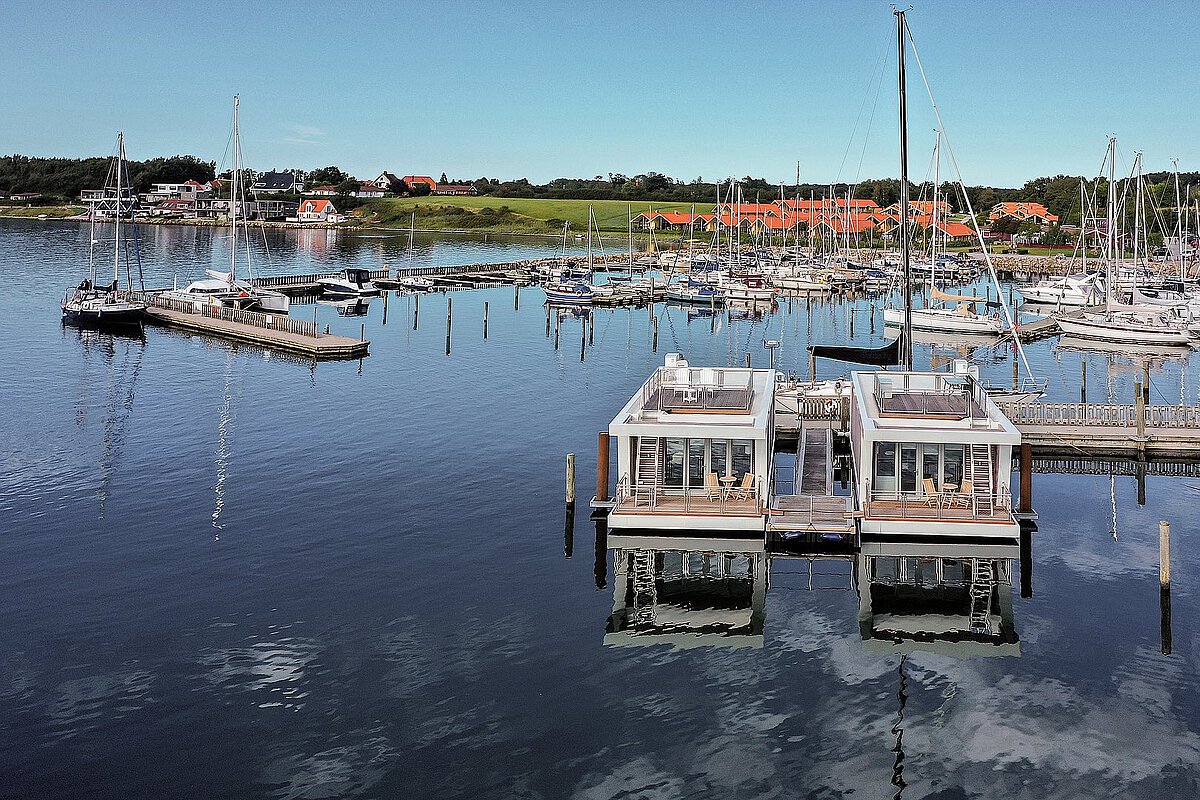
945	318
1117	322
416	282
226	288
90	303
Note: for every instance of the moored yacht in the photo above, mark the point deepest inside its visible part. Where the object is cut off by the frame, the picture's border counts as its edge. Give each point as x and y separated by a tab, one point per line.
353	282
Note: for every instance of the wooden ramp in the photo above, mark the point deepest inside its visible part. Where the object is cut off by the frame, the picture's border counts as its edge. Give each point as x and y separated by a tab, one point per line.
812	507
318	346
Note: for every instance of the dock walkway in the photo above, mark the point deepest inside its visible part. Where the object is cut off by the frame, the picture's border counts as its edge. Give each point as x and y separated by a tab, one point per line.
1099	429
810	506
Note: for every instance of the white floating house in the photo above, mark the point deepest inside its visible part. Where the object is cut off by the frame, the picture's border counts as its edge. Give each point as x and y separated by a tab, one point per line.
694	450
932	455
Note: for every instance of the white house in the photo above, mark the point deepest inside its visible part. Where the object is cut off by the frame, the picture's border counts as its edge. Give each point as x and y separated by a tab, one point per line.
315	211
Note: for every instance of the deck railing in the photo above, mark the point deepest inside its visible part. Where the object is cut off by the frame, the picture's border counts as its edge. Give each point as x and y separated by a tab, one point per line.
732	500
279	322
941	506
700	388
892	385
1102	414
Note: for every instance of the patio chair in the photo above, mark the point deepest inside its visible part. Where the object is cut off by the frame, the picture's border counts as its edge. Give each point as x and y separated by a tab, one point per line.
963	496
712	488
745	490
933	497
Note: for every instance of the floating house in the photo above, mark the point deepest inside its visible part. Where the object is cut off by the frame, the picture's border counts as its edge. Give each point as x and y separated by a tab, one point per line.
694	449
932	455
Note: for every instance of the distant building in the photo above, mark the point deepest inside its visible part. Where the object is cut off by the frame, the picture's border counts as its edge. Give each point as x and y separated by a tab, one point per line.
315	211
100	202
323	191
1023	212
368	190
420	180
390	183
22	197
174	208
454	189
188	190
277	183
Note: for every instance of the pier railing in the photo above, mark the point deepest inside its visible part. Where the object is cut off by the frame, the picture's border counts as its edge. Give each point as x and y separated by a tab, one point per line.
1102	415
278	322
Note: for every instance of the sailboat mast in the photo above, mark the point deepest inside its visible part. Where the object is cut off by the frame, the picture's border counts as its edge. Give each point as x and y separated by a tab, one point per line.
117	213
1178	218
234	190
1112	219
906	354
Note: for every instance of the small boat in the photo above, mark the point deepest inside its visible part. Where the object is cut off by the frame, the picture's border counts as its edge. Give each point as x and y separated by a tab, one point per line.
107	306
1129	327
959	318
693	291
1080	289
568	293
753	288
416	282
354	282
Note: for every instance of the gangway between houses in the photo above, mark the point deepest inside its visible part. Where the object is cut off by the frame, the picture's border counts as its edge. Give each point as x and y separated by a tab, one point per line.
806	504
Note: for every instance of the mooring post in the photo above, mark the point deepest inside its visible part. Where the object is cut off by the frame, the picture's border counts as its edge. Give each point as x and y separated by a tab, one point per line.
570	479
485	319
449	321
556	333
1139	408
1083	382
1026	562
516	297
1026	505
385	305
812	367
591	328
654	344
569	531
1164	585
362	333
547	322
747	361
602	466
416	308
600	568
583	339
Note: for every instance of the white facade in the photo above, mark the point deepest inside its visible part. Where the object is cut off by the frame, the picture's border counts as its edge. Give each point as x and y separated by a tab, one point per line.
932	455
694	450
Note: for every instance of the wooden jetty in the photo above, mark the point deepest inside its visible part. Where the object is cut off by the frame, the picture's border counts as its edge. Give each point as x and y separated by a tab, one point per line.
272	331
1107	429
1045	328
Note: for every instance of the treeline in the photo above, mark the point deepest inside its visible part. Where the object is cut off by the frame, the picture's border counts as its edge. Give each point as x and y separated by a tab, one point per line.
65	178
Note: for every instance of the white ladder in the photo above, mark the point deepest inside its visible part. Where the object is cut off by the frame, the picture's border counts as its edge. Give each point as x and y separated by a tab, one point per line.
648	476
981	475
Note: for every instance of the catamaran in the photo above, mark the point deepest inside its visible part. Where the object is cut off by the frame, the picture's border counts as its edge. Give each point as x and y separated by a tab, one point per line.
90	303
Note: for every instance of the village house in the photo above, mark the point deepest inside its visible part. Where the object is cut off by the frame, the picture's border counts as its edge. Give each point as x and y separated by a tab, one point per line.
323	191
412	181
277	183
390	183
317	211
450	189
368	190
1023	212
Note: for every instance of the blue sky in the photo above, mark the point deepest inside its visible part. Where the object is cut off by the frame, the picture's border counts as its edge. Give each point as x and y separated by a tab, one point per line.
544	90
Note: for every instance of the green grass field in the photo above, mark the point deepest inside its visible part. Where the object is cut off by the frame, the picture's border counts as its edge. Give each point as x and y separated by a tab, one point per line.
524	214
37	211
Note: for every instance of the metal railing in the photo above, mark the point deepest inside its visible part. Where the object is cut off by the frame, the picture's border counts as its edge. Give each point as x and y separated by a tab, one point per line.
732	500
704	388
940	506
255	319
899	385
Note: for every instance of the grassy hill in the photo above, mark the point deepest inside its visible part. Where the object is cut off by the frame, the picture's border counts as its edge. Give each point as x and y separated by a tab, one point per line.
511	213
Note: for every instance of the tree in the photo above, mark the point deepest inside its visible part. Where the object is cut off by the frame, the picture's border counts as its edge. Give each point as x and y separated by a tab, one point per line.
326	176
443	179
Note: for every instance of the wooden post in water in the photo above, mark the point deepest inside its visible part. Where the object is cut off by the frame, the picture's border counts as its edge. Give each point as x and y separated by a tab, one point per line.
1164	585
1016	369
1026	504
314	313
416	308
1026	562
591	330
516	297
449	321
362	333
654	324
1139	410
570	479
569	531
556	332
385	305
602	466
747	361
485	319
1083	382
547	322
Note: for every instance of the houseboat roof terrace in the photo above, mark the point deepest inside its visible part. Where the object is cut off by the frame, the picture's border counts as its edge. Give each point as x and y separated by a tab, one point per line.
925	401
681	394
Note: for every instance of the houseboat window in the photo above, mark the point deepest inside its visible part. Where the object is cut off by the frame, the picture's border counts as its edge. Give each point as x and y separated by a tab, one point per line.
743	457
931	462
673	466
696	462
718	460
952	464
908	467
885	466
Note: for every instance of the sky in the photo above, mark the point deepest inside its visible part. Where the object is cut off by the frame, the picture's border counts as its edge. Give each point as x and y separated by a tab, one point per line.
546	90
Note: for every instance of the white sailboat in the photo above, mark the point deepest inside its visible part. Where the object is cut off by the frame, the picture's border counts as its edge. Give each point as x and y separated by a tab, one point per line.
90	304
226	288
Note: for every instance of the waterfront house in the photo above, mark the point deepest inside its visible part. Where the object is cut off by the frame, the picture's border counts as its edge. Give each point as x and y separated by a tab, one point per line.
413	181
315	211
368	190
277	183
322	191
390	183
451	189
1023	212
932	455
694	449
174	208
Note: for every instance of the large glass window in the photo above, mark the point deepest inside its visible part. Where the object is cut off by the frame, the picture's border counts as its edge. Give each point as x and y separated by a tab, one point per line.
718	459
885	466
696	462
673	466
931	461
952	464
908	467
743	457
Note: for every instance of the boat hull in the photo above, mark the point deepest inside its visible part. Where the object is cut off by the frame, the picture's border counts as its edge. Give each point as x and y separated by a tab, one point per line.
1102	329
121	315
934	321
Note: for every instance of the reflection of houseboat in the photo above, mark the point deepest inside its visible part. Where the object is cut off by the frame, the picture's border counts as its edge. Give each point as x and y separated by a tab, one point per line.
954	600
687	592
694	449
933	454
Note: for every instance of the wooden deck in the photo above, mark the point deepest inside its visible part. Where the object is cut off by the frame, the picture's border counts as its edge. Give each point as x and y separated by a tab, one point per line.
936	405
321	347
672	505
698	400
1107	429
916	510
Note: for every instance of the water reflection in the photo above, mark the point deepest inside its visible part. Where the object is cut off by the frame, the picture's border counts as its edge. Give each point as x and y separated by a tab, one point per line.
687	592
943	598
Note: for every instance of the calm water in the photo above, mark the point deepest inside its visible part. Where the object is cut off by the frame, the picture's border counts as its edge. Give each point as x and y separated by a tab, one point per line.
229	574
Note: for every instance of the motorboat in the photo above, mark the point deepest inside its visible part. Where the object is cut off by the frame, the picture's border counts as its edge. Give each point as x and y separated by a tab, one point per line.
1080	289
416	282
568	293
353	282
